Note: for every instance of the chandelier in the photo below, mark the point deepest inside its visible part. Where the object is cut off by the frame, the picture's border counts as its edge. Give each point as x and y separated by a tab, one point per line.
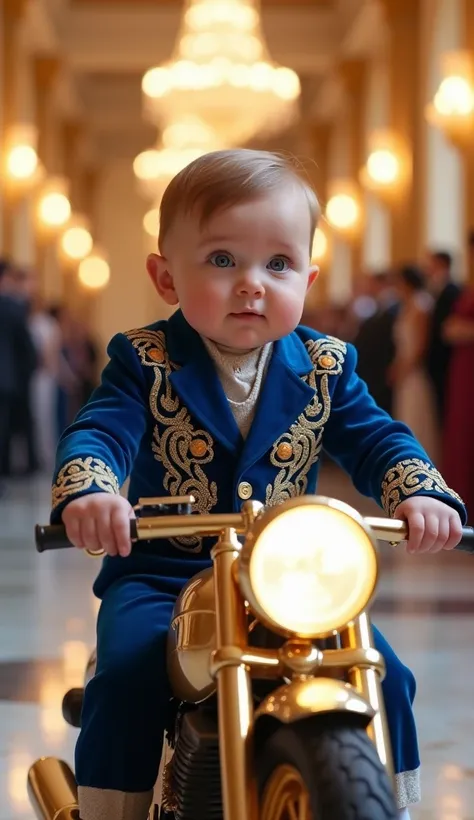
221	71
181	142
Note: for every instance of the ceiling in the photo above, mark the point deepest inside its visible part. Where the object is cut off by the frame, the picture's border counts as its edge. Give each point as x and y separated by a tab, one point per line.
107	45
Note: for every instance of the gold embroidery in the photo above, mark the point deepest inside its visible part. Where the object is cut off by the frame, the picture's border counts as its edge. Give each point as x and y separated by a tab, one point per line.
305	436
409	477
181	449
79	475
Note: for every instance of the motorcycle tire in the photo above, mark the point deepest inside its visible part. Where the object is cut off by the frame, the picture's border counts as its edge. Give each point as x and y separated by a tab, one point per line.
324	768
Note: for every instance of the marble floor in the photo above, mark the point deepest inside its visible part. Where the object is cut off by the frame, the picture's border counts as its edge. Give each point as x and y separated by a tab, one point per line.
47	613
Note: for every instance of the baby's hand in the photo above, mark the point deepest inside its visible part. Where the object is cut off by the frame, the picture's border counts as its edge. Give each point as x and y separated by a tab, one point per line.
432	525
99	520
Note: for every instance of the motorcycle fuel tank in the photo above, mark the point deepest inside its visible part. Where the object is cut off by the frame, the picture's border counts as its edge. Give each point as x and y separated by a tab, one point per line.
191	639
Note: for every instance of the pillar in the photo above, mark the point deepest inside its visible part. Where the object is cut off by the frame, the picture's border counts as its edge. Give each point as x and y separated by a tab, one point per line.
320	138
71	134
376	232
11	12
405	69
468	161
45	72
353	74
445	224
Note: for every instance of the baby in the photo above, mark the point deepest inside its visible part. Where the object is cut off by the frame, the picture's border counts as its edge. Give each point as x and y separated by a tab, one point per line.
229	399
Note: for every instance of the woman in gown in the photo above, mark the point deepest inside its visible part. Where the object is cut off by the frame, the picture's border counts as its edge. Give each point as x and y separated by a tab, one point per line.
46	336
458	433
413	400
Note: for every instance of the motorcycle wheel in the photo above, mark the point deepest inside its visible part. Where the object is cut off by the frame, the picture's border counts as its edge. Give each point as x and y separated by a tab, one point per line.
323	769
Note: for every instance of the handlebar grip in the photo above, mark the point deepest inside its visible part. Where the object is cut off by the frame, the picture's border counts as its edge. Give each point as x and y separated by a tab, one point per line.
53	537
466	543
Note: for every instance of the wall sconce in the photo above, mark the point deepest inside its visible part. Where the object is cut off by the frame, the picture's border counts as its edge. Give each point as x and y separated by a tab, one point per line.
452	109
387	171
76	242
151	221
54	208
94	270
22	167
344	210
320	246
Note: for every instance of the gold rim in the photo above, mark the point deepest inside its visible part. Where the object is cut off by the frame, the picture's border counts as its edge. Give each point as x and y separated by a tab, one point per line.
286	796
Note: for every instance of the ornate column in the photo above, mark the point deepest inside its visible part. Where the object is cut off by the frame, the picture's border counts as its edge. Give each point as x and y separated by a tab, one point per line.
376	239
321	134
45	72
406	118
469	154
71	134
11	12
353	74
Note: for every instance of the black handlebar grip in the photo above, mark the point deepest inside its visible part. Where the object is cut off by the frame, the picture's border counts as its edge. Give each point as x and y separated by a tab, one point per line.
53	537
467	541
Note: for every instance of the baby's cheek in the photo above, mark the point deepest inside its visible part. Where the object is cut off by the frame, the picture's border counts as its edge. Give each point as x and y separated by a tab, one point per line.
202	303
290	307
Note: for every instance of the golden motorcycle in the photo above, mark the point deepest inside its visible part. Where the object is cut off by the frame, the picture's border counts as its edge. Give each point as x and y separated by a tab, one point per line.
276	681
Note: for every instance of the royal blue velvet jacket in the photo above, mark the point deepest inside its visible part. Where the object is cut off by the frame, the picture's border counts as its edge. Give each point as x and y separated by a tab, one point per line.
160	417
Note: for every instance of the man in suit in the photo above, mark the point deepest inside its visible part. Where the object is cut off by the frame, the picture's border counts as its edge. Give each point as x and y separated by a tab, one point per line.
17	356
438	269
374	341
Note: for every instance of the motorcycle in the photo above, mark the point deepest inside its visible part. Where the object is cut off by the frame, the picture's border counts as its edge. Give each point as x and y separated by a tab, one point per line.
278	709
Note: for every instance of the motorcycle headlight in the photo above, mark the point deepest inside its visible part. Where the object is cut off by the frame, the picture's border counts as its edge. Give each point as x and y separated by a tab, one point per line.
309	566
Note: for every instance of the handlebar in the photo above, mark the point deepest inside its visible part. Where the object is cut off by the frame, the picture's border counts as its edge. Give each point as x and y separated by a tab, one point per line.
170	518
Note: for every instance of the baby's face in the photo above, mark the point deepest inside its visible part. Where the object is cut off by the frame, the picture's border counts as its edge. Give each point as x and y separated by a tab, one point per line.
241	280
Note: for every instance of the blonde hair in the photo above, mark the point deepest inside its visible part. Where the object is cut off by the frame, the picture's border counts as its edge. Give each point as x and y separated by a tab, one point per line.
221	179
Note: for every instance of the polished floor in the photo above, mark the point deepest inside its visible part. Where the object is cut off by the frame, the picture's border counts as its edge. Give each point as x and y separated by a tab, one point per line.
47	613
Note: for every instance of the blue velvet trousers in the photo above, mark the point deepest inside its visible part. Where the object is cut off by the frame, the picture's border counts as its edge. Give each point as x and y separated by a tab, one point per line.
125	704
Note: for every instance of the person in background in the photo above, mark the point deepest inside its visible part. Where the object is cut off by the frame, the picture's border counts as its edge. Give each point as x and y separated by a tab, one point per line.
67	389
18	362
438	270
413	396
374	341
458	438
23	426
47	339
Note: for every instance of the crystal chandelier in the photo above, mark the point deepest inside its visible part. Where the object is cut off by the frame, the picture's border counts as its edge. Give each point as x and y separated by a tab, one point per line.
181	142
221	71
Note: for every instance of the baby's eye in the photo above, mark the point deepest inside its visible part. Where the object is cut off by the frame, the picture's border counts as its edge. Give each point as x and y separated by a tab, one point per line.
221	260
279	264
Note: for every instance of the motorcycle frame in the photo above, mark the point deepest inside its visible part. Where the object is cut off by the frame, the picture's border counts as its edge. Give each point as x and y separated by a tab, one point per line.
299	662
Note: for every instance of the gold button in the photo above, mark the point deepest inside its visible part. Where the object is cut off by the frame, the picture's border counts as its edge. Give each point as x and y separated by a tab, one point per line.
245	490
198	448
156	355
327	362
284	451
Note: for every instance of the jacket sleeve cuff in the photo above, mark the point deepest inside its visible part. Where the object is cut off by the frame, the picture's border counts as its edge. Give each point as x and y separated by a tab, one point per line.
416	477
81	476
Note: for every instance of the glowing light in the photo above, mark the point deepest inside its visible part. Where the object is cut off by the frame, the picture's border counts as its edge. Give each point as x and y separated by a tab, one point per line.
94	272
455	97
22	162
54	208
383	167
76	241
151	222
320	245
343	211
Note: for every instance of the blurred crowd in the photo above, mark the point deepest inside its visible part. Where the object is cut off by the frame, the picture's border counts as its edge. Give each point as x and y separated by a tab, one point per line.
413	328
47	371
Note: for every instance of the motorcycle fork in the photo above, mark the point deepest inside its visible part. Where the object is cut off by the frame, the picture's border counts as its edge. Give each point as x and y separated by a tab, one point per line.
234	688
368	682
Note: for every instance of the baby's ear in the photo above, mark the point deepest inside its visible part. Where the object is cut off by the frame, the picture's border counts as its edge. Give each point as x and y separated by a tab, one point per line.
313	275
157	267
